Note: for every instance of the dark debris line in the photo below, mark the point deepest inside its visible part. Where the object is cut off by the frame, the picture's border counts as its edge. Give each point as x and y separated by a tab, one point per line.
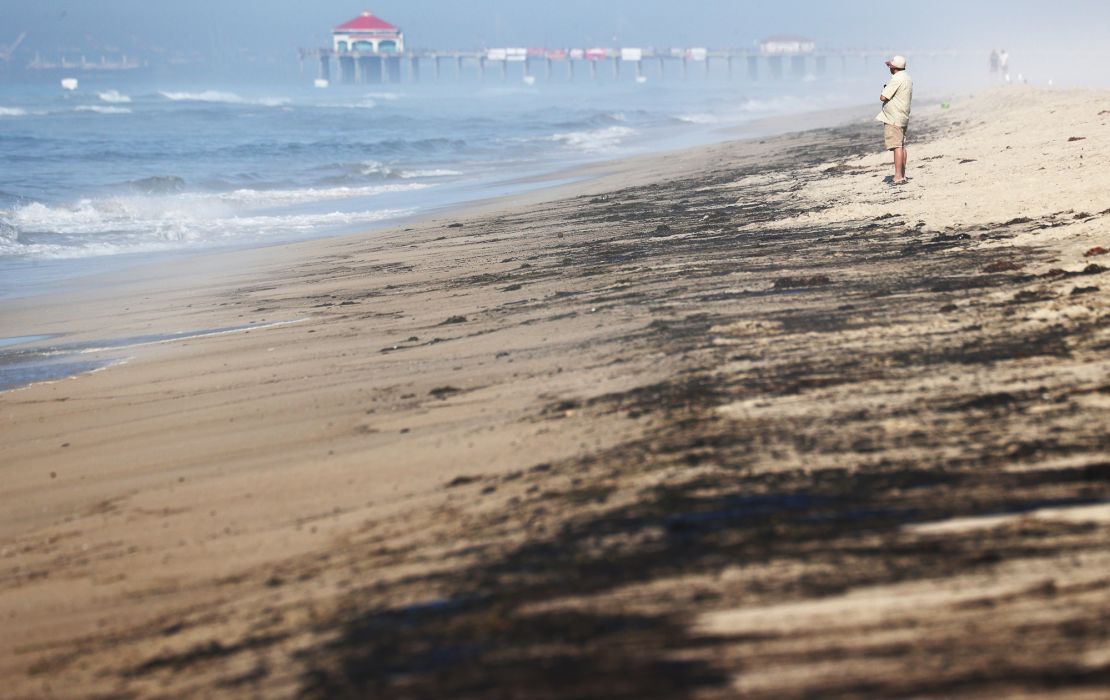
487	633
842	527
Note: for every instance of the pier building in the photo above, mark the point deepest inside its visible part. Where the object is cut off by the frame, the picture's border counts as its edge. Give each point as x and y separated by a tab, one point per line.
367	49
369	34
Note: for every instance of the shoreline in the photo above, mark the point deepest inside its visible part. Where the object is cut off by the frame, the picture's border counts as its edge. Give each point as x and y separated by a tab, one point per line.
734	420
529	190
760	128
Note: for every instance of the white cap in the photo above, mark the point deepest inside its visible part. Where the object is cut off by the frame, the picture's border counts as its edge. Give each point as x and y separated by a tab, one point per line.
898	62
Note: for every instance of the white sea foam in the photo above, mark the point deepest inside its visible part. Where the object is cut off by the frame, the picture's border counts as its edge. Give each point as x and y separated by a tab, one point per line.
373	167
113	96
206	96
366	103
264	199
596	140
94	228
155	222
12	112
699	118
9	234
132	213
384	96
99	109
435	172
273	101
219	97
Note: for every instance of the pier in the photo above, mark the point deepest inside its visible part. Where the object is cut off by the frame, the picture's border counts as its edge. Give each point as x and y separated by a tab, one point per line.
569	65
369	50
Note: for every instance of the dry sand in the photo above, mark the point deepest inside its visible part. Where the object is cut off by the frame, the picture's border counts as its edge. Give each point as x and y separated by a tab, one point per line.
736	421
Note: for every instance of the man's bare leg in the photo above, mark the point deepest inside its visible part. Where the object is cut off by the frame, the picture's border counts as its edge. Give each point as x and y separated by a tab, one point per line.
899	165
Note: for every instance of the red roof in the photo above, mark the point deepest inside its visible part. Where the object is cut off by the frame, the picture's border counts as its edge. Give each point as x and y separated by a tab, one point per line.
366	22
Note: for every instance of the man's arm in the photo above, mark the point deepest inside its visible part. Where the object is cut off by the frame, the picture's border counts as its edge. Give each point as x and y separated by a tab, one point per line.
890	90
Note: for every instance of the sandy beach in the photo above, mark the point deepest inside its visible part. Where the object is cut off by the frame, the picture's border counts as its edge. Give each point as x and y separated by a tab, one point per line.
737	421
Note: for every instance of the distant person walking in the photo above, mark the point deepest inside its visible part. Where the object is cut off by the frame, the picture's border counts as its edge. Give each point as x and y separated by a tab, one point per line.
896	98
995	60
1004	64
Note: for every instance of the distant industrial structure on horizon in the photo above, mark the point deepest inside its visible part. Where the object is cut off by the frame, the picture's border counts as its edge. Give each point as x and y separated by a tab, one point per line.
38	63
7	51
104	64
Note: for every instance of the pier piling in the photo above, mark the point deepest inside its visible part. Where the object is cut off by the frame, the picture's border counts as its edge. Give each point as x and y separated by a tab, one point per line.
798	66
775	64
368	70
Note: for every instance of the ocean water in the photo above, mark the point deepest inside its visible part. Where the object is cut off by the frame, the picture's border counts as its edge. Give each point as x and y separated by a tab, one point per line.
124	169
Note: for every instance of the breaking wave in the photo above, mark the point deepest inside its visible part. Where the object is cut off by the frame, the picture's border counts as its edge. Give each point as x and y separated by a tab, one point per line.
12	112
699	119
220	97
435	172
158	216
373	167
98	109
113	97
92	228
163	184
366	103
385	96
594	140
263	199
337	175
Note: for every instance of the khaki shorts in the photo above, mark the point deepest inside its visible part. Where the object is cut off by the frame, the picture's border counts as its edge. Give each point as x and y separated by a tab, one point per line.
894	136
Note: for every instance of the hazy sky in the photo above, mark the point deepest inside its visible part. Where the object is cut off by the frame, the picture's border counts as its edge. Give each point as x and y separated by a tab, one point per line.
275	27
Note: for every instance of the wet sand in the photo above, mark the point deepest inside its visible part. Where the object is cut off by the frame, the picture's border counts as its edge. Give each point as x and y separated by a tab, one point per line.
737	421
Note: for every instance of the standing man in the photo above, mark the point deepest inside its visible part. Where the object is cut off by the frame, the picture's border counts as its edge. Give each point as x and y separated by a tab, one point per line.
896	98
